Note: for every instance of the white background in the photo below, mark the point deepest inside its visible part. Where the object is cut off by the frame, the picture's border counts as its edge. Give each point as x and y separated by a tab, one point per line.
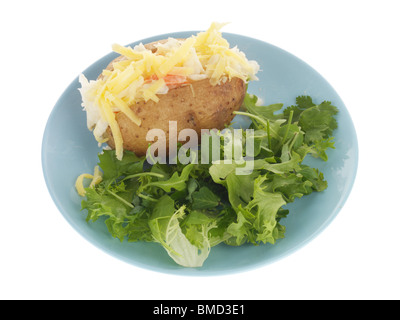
353	44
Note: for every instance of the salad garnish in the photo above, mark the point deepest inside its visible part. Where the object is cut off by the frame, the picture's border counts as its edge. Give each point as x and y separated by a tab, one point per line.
190	208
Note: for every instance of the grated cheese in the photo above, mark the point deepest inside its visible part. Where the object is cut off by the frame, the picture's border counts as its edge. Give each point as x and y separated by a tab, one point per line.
96	178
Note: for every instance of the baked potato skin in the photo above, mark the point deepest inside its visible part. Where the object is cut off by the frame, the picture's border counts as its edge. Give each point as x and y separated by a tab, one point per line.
201	106
196	106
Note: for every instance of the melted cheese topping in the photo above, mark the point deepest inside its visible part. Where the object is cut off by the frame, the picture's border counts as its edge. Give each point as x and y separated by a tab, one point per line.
142	75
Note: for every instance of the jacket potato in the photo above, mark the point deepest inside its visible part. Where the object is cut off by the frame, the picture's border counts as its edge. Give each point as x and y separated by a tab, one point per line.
196	82
197	105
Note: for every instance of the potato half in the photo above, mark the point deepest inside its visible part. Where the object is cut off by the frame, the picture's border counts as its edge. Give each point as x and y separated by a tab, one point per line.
197	106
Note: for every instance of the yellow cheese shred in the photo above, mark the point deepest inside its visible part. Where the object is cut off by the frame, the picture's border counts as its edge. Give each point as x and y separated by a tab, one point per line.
150	93
116	132
96	178
127	52
218	71
178	56
124	79
123	106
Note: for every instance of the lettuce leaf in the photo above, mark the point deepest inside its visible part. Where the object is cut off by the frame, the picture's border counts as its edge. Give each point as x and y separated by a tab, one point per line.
165	226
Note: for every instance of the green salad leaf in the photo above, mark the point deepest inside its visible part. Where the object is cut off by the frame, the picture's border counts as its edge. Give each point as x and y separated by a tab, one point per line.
189	208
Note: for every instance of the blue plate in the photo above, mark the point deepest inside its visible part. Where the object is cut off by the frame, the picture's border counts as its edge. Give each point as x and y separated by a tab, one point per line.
69	149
